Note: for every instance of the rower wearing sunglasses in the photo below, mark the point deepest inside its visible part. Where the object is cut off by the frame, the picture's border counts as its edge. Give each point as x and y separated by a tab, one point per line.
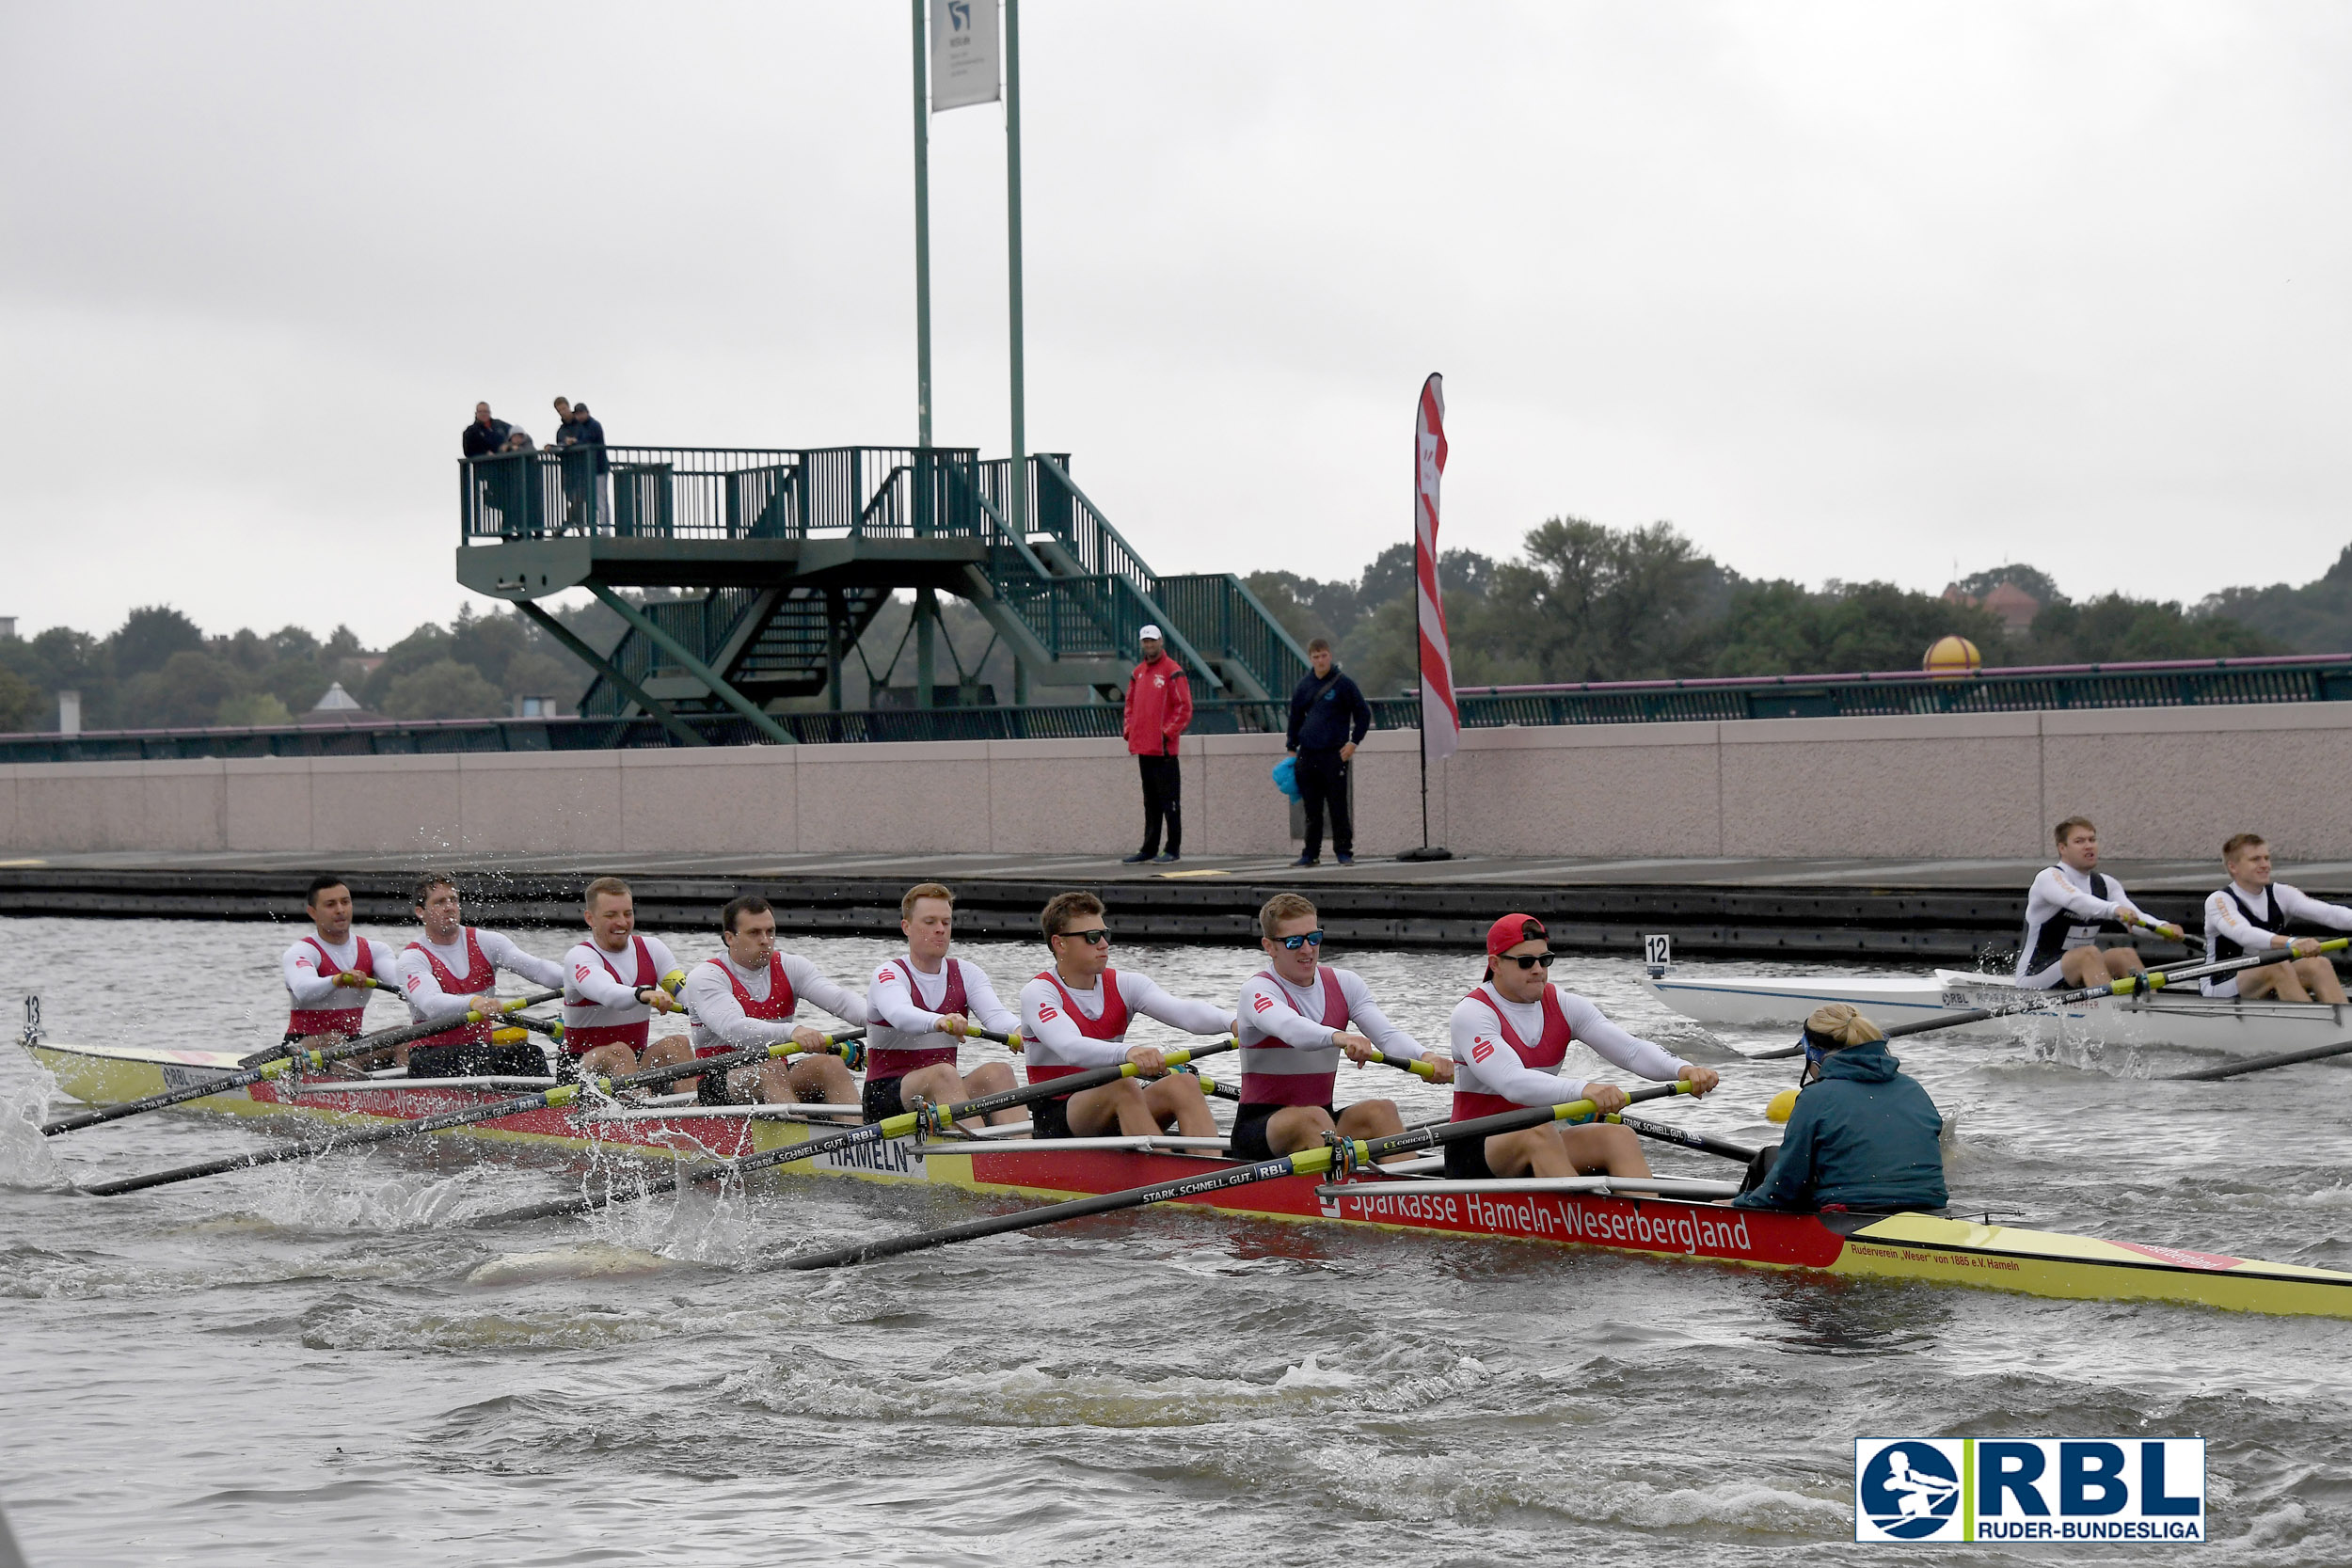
1295	1015
1511	1037
1074	1017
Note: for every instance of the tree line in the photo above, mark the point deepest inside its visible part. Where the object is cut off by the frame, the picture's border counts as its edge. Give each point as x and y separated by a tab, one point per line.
1581	602
1586	602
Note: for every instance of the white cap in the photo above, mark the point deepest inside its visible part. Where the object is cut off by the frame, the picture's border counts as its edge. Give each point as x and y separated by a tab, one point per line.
1149	634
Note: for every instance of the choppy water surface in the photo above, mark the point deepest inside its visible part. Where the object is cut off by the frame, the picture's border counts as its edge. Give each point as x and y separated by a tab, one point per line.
303	1364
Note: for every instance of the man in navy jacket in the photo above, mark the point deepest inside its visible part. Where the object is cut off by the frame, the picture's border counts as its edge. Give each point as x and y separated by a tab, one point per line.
1329	720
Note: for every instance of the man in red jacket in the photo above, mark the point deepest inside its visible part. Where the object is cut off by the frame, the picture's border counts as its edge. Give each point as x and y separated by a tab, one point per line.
1159	706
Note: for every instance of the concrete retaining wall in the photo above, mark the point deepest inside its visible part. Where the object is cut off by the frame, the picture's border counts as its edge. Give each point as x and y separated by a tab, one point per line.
2162	782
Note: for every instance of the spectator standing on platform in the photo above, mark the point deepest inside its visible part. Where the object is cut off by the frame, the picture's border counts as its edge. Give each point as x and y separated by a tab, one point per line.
580	439
1329	720
486	436
1159	707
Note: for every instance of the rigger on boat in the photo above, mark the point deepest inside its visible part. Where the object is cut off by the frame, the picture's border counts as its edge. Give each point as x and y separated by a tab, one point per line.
1839	1199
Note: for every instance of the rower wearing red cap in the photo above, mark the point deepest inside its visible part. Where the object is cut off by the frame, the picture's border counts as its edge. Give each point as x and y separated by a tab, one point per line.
1295	1016
1510	1038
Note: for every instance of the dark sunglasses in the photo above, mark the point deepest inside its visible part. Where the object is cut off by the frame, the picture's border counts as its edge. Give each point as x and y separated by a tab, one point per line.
1303	939
1527	960
1095	938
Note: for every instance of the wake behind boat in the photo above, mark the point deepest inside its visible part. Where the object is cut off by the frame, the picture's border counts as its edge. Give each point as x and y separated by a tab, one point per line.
1655	1217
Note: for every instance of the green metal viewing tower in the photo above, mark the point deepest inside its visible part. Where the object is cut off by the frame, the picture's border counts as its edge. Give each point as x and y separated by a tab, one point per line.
783	557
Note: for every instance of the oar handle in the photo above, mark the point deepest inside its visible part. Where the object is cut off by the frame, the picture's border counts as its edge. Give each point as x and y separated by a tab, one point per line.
1417	1067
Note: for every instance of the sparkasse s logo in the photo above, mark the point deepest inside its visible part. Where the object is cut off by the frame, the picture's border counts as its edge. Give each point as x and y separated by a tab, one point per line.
2083	1490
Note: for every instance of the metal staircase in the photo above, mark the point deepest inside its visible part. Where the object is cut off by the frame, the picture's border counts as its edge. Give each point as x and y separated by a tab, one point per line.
795	551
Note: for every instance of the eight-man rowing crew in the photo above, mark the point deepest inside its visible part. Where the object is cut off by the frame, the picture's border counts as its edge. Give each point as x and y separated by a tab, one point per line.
2073	903
1296	1020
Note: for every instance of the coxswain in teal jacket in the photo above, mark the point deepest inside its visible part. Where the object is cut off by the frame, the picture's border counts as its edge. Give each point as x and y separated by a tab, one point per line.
1863	1137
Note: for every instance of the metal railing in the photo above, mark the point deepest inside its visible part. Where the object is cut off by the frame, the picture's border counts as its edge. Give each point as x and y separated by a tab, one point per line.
2294	678
2054	687
1224	620
720	493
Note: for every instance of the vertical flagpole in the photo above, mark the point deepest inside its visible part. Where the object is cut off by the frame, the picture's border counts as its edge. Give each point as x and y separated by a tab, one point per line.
1422	731
922	241
1435	657
1019	519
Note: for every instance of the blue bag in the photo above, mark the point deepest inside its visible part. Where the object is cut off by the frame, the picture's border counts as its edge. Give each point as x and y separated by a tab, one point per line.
1287	777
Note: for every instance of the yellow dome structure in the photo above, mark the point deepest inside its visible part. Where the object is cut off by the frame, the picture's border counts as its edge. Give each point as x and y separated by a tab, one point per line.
1950	657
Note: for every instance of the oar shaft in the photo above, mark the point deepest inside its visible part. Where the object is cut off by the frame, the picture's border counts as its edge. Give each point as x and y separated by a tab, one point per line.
2261	1064
2131	984
1305	1162
1668	1133
313	1060
562	1094
403	1034
854	1137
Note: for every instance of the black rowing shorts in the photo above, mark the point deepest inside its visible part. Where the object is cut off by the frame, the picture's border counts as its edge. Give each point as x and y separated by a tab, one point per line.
1466	1161
880	1097
1249	1143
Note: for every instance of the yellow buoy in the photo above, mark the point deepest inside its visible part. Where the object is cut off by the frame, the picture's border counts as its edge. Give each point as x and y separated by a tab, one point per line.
1950	657
1783	1105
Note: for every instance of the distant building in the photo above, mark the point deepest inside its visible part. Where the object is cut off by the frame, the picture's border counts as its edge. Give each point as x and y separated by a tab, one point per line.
2009	604
338	706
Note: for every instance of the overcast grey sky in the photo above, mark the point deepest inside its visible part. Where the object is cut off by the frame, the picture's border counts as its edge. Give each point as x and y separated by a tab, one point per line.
1842	290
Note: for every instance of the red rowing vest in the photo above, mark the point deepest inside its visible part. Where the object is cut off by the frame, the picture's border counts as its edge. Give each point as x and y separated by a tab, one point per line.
779	1006
1546	1054
587	1037
480	976
1306	1086
1111	1027
344	1021
893	1060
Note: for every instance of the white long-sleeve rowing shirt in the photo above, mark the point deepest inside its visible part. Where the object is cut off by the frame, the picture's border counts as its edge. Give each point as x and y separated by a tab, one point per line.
428	999
718	1016
320	1005
1287	1057
600	991
904	1007
2066	909
1488	1066
2238	922
1050	1040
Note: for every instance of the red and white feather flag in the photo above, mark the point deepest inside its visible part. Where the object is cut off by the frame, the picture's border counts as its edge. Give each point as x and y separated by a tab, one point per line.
1440	718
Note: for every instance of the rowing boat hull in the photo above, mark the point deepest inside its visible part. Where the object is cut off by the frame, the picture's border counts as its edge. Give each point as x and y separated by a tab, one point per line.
2187	1021
1918	1247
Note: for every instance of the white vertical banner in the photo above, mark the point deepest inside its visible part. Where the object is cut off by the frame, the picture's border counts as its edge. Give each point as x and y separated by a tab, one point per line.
964	63
1440	718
